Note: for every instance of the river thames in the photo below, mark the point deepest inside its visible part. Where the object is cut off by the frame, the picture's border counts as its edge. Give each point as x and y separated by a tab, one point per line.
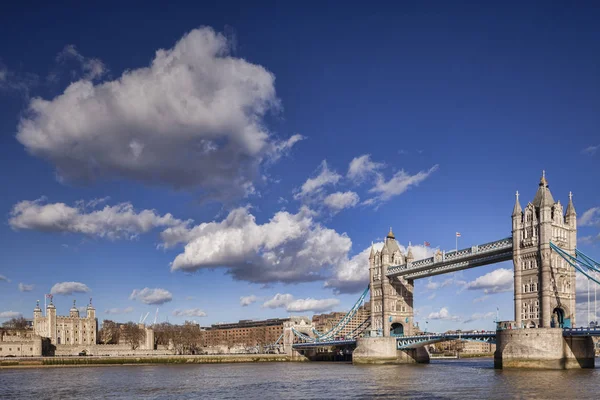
442	379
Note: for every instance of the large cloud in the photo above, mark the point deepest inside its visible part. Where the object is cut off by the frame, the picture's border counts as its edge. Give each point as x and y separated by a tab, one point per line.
4	278
352	274
290	304
193	118
68	288
288	248
151	296
498	281
113	222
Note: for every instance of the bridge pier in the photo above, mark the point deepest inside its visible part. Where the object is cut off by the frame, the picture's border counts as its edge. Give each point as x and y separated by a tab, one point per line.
542	348
383	350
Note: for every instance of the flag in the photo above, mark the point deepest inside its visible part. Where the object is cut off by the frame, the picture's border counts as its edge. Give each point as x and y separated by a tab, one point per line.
427	244
49	296
457	234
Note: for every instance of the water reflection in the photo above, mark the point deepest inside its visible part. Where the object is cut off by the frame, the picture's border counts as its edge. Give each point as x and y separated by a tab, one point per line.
442	379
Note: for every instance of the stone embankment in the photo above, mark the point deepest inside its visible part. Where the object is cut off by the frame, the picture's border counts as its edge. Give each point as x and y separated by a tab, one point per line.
32	362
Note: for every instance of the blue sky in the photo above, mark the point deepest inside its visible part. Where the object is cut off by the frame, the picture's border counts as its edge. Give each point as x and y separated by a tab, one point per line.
183	158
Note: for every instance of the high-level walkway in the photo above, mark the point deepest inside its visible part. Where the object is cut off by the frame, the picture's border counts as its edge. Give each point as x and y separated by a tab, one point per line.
442	262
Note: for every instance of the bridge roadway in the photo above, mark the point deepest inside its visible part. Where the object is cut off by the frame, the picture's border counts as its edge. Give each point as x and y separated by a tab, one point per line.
412	342
442	262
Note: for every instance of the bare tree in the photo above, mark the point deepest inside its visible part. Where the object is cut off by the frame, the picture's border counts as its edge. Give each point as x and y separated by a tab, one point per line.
16	323
109	334
133	334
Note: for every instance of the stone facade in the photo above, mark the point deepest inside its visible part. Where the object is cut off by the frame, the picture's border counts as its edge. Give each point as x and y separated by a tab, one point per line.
391	298
61	330
544	282
542	348
20	343
325	322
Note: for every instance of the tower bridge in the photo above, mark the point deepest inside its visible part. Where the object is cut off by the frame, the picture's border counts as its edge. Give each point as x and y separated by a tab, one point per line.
543	248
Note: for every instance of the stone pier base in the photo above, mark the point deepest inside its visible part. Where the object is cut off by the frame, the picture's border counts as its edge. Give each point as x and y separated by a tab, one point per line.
382	350
543	348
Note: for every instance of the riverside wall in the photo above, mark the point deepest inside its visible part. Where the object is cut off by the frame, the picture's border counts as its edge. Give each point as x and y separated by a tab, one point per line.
141	360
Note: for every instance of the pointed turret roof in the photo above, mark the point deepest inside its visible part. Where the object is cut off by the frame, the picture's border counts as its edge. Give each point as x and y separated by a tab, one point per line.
372	254
409	254
74	308
543	197
571	207
390	235
517	210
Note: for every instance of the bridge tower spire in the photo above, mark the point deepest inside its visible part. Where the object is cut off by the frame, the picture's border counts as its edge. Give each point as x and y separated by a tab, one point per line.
544	284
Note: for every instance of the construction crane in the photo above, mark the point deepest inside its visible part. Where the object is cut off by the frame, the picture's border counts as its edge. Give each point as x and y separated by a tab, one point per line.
144	319
155	316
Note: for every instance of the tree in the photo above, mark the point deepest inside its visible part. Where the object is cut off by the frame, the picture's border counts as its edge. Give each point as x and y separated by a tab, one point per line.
109	334
16	323
133	334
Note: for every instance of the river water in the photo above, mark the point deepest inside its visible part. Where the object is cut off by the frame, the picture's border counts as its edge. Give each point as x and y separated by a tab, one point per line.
442	379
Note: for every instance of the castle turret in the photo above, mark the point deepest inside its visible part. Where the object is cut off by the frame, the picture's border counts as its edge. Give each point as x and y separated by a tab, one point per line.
571	215
37	311
91	311
51	322
74	312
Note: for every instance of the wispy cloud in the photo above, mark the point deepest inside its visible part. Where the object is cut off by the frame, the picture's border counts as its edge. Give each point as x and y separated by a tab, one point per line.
590	150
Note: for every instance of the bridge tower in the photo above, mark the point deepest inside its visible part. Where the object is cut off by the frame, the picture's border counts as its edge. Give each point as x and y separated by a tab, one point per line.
391	298
544	282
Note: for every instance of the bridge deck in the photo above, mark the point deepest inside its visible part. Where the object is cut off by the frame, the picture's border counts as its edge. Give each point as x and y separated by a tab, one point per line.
476	256
324	343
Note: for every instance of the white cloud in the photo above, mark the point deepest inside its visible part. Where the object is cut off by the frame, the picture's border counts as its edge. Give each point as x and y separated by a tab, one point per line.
25	288
443	314
398	184
480	299
352	274
92	68
15	81
279	300
287	248
193	118
126	310
67	288
497	281
113	222
191	312
10	314
431	296
479	316
3	278
591	150
310	304
151	296
361	167
431	285
300	305
340	200
315	185
247	300
590	217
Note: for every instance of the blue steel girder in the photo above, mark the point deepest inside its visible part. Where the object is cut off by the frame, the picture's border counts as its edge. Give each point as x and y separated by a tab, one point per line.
413	342
581	331
313	345
475	256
